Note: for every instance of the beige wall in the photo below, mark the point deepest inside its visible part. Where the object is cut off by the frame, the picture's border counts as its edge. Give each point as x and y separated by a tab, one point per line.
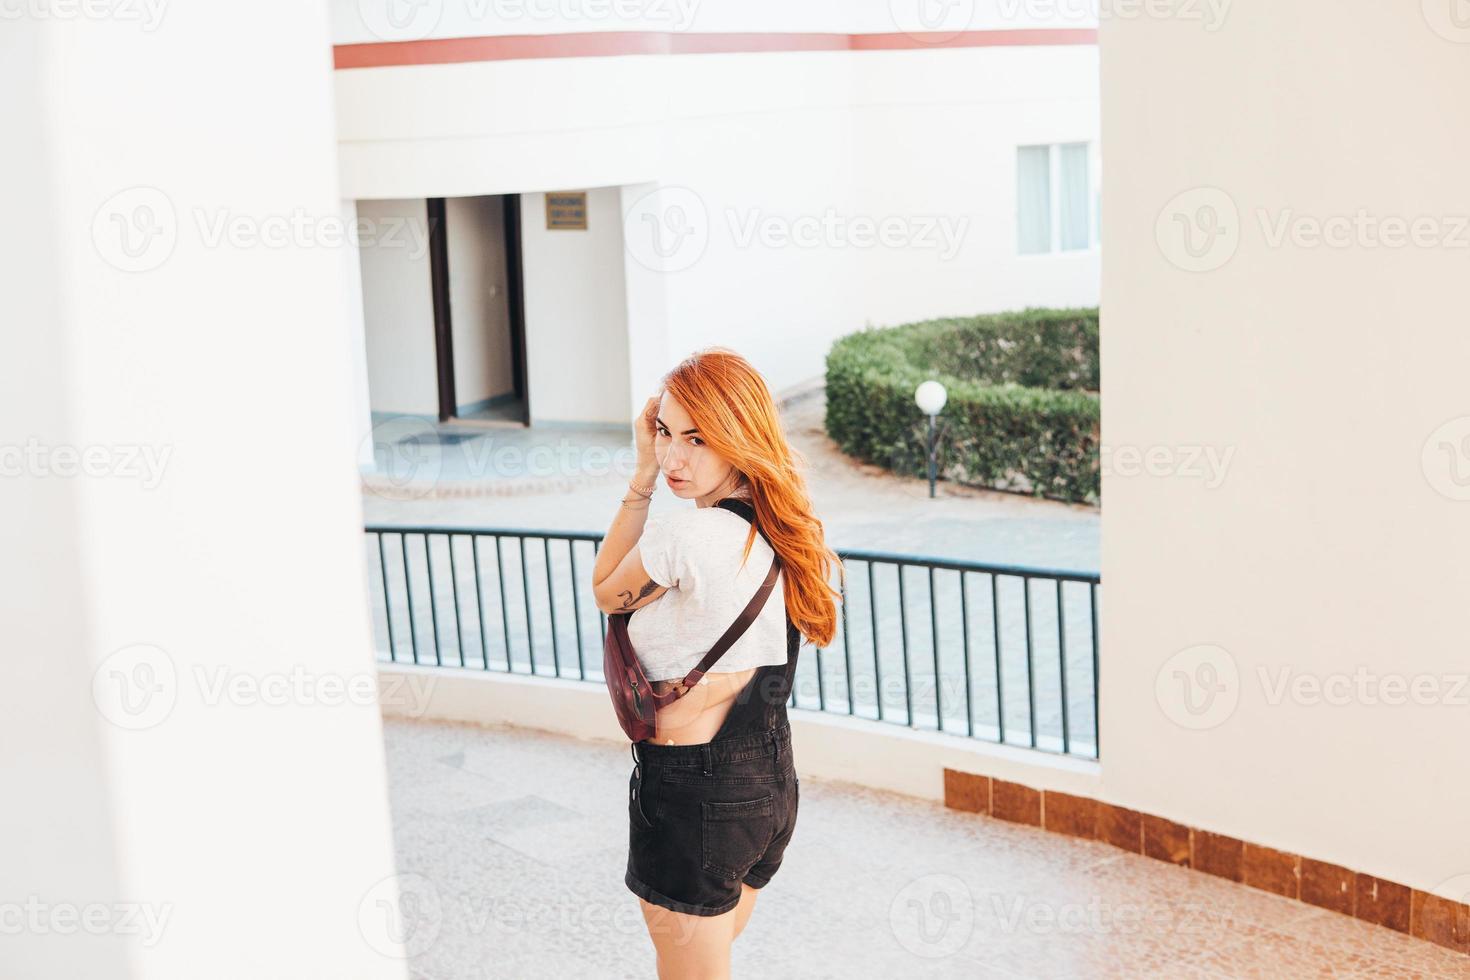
1332	543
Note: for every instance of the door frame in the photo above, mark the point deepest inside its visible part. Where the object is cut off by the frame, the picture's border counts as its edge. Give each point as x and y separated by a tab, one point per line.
515	300
443	323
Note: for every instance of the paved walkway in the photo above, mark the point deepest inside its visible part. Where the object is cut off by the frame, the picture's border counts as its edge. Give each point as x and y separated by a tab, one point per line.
512	845
563	479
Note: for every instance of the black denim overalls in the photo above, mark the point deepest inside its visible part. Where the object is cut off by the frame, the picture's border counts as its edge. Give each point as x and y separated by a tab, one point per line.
705	817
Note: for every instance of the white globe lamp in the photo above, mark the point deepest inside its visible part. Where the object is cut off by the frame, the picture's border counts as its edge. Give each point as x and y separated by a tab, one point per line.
930	397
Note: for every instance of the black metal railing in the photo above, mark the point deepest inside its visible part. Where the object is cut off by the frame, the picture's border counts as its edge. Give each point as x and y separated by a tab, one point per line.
1003	653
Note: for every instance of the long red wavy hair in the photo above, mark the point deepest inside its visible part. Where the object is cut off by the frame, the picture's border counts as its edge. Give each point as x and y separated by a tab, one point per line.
729	402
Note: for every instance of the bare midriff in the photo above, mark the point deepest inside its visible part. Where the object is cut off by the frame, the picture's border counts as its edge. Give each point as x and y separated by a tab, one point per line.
697	716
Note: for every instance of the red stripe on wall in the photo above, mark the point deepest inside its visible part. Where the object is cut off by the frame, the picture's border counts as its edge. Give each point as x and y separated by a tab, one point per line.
746	43
1032	37
596	44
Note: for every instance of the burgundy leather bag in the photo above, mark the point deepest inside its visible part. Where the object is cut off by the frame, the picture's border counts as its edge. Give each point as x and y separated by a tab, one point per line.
633	697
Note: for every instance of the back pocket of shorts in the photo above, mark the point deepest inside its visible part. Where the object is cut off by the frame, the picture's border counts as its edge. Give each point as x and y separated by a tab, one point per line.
736	834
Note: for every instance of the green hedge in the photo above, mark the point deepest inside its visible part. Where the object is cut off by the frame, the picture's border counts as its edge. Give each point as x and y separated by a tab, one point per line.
1022	412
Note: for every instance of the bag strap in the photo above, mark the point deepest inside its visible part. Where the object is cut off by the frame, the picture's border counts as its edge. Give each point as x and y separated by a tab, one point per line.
732	633
742	622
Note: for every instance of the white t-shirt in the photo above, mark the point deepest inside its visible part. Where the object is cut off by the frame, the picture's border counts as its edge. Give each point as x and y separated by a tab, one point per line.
695	553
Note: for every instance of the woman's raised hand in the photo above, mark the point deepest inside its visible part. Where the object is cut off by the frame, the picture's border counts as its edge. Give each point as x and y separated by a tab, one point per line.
643	431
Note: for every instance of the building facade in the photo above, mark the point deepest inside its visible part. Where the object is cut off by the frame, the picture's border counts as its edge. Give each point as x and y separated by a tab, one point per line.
621	183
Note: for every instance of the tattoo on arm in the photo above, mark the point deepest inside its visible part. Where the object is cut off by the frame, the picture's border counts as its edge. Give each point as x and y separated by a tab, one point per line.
630	600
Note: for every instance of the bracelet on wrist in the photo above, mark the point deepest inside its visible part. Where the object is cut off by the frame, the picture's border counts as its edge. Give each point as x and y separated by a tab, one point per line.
642	491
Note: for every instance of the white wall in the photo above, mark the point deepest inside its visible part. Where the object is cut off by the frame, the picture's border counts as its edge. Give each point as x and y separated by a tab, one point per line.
214	535
398	307
758	148
356	331
475	228
646	291
55	759
576	319
918	154
1333	542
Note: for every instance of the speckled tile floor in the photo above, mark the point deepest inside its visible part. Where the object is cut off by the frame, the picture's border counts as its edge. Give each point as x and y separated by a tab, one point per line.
513	845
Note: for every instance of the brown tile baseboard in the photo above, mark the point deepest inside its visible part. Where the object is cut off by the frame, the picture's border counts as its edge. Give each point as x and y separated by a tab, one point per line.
1120	827
1014	802
1384	903
1271	870
1216	854
1165	840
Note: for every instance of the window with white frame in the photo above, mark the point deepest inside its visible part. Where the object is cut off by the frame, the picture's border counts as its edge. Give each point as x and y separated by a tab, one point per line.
1057	200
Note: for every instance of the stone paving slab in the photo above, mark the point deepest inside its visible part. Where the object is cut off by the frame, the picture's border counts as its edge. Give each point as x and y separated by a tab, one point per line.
874	884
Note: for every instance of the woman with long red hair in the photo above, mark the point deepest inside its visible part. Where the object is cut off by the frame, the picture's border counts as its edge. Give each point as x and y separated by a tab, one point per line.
713	795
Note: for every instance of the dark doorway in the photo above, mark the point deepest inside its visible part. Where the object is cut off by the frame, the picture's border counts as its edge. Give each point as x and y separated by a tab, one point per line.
472	243
516	298
443	323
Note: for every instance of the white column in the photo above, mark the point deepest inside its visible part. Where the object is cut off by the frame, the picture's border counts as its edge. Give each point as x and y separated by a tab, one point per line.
646	268
193	779
356	326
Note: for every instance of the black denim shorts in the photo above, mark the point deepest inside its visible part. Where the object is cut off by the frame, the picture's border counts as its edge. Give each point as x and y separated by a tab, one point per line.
703	818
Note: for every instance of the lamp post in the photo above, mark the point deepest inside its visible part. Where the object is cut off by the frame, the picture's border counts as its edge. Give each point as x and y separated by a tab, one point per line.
930	397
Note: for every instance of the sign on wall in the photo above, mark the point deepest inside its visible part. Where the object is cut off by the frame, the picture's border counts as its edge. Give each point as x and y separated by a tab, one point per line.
566	210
